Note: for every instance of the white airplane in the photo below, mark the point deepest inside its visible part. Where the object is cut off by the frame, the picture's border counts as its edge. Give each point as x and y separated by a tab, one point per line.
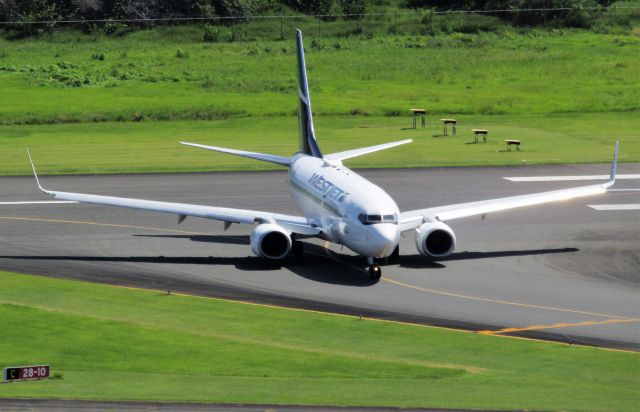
337	204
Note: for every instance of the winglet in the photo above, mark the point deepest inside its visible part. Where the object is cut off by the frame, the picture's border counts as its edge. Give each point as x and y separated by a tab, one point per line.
35	174
614	167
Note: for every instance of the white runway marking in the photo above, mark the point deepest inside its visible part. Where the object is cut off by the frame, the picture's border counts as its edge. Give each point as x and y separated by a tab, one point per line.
616	207
566	178
38	202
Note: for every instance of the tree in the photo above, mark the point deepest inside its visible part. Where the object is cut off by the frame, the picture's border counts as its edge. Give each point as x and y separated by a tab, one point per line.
353	8
311	6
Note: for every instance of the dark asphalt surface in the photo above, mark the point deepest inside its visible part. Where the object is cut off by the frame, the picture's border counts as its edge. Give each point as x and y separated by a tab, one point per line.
563	271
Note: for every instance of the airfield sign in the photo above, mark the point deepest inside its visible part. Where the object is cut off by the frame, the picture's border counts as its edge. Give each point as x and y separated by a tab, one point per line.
26	372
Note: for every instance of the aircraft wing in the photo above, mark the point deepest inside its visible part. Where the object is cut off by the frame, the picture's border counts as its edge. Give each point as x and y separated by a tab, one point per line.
414	218
294	224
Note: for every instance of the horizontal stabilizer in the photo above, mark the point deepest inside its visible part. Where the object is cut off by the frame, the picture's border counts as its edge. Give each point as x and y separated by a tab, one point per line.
365	150
281	160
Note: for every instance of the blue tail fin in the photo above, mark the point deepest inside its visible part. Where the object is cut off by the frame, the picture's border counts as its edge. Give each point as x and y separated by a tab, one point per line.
308	143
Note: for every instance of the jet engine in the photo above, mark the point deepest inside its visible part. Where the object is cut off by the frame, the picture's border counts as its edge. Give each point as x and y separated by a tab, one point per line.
435	239
270	241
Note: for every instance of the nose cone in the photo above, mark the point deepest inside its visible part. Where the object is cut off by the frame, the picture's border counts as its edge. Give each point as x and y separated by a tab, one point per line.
383	239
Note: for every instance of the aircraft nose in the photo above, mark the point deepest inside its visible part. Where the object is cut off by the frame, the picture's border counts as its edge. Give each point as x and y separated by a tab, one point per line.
383	238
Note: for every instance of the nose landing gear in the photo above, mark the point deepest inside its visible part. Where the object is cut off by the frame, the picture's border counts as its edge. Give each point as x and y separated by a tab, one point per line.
375	272
374	269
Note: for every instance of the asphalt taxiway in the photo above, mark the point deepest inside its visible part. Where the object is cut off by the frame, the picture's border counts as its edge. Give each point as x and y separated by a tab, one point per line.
564	271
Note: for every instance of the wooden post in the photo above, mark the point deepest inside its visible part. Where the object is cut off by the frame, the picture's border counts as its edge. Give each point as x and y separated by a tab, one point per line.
281	27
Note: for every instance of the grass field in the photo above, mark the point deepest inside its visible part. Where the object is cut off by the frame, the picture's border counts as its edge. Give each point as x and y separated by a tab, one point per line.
115	147
567	94
115	343
55	79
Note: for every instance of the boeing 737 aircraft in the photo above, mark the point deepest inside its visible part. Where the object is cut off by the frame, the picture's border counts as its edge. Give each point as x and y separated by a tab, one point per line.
337	204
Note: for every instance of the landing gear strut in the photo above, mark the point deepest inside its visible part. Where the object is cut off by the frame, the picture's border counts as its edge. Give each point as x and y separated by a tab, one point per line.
297	249
374	269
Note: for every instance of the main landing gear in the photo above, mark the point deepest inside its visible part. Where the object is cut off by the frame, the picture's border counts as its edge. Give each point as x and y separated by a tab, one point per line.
374	269
297	249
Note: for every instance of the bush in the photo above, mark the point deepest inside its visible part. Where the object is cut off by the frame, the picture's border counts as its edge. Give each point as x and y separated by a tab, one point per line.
211	34
115	28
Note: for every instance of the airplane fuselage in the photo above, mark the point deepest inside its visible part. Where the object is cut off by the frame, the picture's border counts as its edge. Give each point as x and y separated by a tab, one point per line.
350	209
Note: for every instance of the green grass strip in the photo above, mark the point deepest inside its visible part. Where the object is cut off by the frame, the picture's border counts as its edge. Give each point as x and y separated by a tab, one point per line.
125	344
153	146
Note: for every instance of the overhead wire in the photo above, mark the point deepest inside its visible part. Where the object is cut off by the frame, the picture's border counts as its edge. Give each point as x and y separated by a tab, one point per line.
293	17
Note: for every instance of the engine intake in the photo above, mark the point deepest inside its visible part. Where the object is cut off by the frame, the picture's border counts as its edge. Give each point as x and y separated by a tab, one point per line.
270	241
435	240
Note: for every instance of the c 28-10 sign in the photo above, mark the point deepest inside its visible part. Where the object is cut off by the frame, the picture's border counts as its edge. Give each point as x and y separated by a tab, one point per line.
26	372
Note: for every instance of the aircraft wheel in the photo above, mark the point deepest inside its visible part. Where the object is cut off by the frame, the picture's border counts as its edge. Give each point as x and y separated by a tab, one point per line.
375	272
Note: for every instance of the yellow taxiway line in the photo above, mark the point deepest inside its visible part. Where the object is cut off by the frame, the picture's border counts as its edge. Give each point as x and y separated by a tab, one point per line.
558	325
329	254
80	222
503	332
488	300
504	302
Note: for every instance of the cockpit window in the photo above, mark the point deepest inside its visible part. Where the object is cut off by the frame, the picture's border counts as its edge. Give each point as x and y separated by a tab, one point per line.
373	219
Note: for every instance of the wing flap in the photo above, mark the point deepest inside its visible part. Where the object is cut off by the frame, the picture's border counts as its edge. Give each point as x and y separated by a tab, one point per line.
457	211
182	209
294	224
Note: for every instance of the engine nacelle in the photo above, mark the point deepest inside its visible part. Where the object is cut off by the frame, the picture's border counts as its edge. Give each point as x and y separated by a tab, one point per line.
435	240
270	241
